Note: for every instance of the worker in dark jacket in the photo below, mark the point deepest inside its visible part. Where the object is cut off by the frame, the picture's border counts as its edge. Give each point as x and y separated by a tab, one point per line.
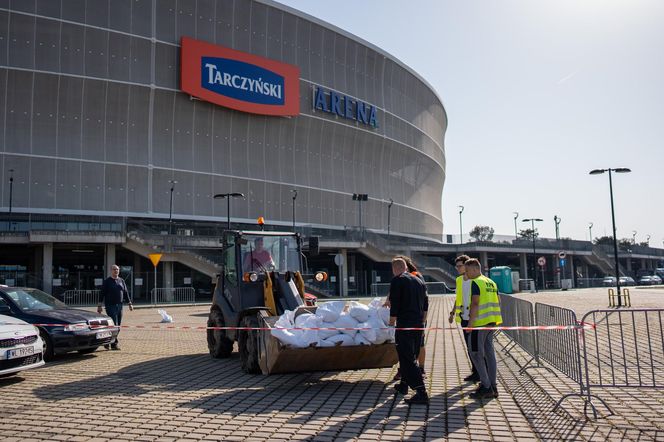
113	293
408	307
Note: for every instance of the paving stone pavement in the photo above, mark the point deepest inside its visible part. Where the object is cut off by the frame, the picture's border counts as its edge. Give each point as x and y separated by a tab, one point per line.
163	386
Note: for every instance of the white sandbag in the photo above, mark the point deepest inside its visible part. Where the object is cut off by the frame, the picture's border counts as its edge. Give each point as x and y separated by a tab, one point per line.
341	339
346	321
359	311
324	334
308	337
325	343
384	314
286	337
369	333
376	303
330	311
296	338
361	340
165	317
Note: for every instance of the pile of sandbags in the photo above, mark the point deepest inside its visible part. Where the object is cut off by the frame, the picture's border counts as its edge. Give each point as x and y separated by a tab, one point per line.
350	323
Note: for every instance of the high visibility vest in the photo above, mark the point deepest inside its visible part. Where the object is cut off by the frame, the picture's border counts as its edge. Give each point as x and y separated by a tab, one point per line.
489	307
458	304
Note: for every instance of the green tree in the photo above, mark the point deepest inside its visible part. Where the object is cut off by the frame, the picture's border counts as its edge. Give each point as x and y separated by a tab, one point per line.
482	233
604	241
528	234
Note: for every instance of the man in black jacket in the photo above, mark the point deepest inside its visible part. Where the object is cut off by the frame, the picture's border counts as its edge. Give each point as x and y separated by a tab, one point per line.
113	293
409	305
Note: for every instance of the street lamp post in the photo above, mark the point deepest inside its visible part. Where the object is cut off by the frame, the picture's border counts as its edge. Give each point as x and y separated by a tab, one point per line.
389	209
170	208
556	219
590	231
532	221
516	216
461	224
613	220
228	197
294	192
11	189
633	236
648	240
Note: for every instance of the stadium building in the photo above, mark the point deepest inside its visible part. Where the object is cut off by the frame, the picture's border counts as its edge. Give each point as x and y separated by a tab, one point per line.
120	116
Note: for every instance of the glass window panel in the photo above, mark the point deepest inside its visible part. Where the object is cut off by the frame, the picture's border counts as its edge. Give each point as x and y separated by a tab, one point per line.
119	57
138	125
70	93
21	40
117	105
96	13
165	10
162	129
45	114
115	198
167	61
137	189
96	53
141	60
141	17
258	29
94	102
71	49
42	183
120	15
74	10
22	5
47	57
186	19
183	128
205	20
68	192
92	186
19	100
203	136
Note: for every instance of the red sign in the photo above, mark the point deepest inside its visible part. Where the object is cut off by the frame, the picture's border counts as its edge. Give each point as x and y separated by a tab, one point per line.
238	80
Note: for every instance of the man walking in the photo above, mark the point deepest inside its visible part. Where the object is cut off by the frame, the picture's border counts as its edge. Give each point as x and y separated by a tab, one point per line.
408	307
461	312
484	312
113	293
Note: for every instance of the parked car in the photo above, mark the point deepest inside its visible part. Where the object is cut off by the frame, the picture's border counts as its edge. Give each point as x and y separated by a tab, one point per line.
627	281
20	346
646	280
72	329
656	279
609	281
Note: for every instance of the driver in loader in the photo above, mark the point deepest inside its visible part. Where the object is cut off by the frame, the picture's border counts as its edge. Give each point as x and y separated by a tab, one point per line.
258	257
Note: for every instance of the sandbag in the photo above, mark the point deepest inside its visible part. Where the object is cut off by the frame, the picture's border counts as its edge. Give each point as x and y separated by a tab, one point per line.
346	321
324	334
361	340
341	339
359	311
330	311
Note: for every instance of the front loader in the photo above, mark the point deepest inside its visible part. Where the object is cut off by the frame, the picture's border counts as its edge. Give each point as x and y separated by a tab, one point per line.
252	291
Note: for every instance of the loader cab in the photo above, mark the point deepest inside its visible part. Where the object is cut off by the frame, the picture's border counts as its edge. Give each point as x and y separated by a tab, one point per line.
248	256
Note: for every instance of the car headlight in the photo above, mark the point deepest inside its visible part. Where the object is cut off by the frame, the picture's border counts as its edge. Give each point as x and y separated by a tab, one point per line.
77	327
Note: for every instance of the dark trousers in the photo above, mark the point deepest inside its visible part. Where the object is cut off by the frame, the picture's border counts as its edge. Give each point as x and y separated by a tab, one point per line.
115	312
484	356
464	323
408	344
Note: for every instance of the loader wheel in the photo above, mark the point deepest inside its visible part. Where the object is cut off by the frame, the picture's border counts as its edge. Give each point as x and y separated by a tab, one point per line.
218	343
248	345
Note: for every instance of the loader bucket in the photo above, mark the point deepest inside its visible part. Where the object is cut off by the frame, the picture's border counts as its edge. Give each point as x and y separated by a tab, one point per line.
274	357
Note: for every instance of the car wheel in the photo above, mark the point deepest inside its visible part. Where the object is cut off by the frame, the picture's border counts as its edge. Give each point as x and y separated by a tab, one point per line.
87	351
219	345
248	346
48	346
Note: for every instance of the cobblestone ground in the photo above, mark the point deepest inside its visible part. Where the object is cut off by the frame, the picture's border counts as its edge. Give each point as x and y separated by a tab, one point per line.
163	385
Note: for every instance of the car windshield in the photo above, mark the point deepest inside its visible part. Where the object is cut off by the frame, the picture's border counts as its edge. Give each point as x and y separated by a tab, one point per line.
33	299
272	253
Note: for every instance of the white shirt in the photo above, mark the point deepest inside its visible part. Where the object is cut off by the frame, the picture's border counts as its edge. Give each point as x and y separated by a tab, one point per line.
465	299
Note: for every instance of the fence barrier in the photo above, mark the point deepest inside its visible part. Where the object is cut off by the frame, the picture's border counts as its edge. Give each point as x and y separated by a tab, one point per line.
175	295
433	288
625	297
81	298
518	312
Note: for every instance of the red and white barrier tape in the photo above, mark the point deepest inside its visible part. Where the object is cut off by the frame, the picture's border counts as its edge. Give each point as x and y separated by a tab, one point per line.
580	326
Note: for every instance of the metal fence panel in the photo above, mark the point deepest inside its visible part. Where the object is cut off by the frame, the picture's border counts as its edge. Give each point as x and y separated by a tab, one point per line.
81	298
518	312
560	348
626	348
173	295
433	288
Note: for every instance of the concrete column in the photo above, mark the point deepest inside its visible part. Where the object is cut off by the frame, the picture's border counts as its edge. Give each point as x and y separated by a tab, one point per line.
524	265
629	264
138	290
344	273
571	271
484	261
47	267
556	264
109	259
643	263
168	279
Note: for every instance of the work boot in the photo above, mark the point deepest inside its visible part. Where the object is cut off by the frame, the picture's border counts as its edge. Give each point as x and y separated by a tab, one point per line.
397	377
483	393
419	398
473	377
115	347
107	346
401	388
495	390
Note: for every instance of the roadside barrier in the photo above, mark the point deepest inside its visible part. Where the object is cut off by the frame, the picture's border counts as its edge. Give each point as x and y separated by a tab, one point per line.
81	298
518	319
175	295
625	298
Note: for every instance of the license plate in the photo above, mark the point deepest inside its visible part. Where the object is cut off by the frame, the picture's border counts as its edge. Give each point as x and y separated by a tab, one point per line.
104	334
20	352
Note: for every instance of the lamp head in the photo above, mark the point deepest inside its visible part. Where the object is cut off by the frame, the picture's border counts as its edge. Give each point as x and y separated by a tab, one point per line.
461	211
622	170
597	171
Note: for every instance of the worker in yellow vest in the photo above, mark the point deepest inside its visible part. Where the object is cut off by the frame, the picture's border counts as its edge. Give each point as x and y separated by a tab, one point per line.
461	310
484	312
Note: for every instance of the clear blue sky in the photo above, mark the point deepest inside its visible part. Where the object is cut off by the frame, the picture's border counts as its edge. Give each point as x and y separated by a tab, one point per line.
537	94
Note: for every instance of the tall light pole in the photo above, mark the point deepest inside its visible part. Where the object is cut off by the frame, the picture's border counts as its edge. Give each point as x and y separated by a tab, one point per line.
461	223
590	231
228	197
532	221
389	209
613	220
170	208
556	219
516	216
294	192
633	236
648	240
11	189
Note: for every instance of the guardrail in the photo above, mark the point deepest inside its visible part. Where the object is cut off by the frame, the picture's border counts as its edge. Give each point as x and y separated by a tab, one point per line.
518	312
174	295
433	288
81	298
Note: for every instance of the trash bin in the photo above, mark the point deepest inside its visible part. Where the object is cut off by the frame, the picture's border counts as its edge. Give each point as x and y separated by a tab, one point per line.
502	276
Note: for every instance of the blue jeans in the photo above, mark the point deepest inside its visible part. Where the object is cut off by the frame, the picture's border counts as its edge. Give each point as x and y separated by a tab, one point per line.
115	312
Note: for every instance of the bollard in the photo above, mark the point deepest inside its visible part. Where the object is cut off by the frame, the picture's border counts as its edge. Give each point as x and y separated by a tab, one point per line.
626	299
612	298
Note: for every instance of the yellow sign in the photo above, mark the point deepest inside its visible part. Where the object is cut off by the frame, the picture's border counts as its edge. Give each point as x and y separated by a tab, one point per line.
155	257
